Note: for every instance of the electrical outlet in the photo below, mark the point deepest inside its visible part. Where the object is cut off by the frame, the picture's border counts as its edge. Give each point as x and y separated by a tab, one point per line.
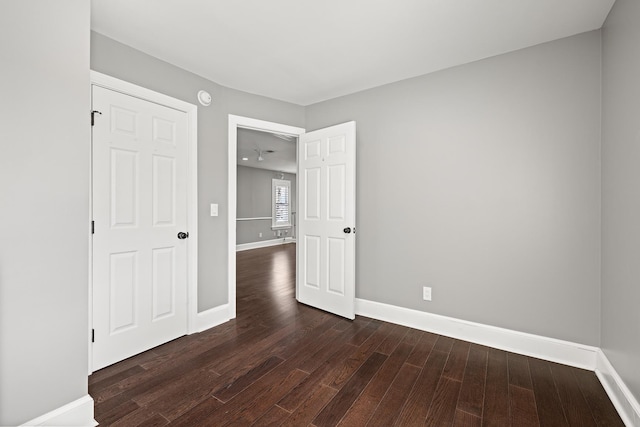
259	234
426	293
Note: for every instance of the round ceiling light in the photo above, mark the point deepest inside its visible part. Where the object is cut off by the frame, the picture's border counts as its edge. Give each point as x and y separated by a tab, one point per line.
204	98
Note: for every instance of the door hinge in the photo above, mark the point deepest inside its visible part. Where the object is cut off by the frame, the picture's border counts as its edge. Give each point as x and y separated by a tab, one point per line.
93	335
93	227
93	113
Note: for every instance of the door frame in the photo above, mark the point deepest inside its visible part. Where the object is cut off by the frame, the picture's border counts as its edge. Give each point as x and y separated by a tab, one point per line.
235	123
121	86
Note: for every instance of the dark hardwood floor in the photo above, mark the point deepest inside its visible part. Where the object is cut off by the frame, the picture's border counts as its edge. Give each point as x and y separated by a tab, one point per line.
283	363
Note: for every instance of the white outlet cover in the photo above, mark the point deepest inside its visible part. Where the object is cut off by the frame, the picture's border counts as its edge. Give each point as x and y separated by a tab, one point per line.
214	209
426	293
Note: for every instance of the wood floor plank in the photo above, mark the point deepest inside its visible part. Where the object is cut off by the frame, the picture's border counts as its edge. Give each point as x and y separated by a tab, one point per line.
269	344
366	404
472	391
274	417
423	348
137	360
227	391
156	420
519	374
496	396
413	336
198	415
549	406
600	405
248	406
316	378
311	336
177	397
464	419
118	412
310	408
392	340
523	407
98	386
574	404
454	369
356	359
137	417
389	408
335	410
417	406
443	405
364	334
443	344
312	362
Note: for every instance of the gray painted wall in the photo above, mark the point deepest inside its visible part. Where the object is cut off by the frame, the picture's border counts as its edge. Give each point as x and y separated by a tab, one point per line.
118	60
620	196
44	195
483	181
254	200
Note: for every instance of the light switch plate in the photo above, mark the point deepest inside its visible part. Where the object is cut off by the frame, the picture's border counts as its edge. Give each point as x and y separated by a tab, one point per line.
214	209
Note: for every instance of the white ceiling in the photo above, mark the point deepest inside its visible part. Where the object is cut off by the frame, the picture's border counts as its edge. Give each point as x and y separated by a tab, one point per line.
283	158
306	51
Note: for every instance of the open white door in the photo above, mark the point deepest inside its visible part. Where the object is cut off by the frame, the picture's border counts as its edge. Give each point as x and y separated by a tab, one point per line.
140	161
326	219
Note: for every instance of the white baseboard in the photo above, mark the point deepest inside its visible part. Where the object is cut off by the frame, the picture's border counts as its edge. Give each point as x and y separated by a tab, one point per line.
565	352
622	398
77	413
213	317
264	243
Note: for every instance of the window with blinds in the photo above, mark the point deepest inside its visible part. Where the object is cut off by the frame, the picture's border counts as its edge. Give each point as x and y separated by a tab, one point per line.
281	201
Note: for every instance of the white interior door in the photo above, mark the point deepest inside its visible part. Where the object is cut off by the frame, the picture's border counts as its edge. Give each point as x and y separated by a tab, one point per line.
326	219
139	163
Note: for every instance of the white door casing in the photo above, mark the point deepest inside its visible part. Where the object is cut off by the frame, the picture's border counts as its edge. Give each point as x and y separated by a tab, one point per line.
326	219
139	195
235	123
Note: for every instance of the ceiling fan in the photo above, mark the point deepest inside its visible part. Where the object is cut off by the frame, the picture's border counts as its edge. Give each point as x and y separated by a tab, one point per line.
261	152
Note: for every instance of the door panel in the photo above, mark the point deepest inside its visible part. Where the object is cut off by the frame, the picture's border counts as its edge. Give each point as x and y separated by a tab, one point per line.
139	171
124	188
164	184
123	288
326	253
163	282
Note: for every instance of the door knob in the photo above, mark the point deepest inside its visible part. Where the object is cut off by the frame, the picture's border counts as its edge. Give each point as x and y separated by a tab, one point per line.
182	235
347	230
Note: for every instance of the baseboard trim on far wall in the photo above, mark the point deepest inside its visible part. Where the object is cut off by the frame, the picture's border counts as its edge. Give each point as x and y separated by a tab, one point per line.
551	349
213	317
622	398
264	244
76	413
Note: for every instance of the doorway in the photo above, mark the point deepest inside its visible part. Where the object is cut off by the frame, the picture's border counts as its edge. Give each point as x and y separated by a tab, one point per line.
326	213
266	189
235	124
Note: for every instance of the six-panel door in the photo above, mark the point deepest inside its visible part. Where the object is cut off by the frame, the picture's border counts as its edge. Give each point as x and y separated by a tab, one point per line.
326	224
139	206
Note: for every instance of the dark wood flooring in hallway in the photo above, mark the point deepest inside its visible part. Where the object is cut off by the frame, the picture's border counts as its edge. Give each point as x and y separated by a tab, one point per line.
280	363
